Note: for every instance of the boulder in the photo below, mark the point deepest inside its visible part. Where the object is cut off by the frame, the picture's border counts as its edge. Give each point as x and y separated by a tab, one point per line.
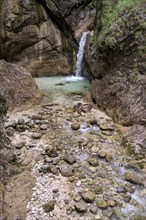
17	85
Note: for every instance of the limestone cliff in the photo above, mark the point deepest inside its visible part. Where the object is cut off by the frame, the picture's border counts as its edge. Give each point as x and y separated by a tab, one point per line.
116	54
38	34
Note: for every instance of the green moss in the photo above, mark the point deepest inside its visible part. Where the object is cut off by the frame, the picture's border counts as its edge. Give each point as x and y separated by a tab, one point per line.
49	206
109	18
132	78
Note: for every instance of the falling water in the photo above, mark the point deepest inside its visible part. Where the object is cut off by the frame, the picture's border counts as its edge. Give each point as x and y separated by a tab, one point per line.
79	63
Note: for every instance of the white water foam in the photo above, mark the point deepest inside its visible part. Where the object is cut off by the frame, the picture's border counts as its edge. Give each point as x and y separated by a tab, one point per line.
74	78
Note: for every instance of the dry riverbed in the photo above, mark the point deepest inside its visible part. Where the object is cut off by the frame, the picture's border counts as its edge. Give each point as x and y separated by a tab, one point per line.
68	162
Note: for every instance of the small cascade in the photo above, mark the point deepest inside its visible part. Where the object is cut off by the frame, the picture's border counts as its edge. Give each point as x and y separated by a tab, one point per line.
80	54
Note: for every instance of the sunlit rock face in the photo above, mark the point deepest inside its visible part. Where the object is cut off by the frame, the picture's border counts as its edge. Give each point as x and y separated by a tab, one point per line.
17	87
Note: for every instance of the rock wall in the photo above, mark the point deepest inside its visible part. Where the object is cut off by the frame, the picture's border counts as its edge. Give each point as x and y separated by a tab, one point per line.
38	34
117	64
17	86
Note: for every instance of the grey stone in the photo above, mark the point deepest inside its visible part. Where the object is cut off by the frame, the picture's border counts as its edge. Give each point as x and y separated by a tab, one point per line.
10	131
81	206
66	170
94	210
52	152
36	135
70	158
21	121
43	127
89	196
45	168
20	144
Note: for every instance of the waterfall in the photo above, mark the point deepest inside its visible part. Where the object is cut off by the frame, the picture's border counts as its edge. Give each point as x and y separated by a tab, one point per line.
80	54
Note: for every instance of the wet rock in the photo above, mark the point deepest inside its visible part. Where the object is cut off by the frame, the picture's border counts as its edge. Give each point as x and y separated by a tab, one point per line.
93	161
81	206
70	158
132	178
36	135
75	126
49	206
101	204
66	170
89	196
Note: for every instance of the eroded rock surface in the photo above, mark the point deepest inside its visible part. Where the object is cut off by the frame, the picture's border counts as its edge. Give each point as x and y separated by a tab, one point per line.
73	181
17	85
117	64
38	35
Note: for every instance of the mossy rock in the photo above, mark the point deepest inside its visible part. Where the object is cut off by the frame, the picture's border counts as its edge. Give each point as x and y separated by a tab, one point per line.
102	204
132	178
49	206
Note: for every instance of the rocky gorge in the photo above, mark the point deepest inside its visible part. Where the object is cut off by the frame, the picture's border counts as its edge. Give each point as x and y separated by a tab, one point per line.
80	155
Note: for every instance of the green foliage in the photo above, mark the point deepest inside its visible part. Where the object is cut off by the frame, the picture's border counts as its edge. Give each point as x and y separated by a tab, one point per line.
109	18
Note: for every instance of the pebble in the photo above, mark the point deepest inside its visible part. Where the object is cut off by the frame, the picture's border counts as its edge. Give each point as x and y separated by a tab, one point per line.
81	206
66	170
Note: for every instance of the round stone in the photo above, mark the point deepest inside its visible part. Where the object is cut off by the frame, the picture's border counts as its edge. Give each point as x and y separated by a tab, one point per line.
66	170
102	153
132	178
10	131
81	206
75	126
70	158
21	121
93	210
88	196
93	161
43	127
36	135
101	204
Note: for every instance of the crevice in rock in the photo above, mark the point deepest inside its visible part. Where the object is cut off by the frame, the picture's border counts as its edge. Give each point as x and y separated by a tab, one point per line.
59	21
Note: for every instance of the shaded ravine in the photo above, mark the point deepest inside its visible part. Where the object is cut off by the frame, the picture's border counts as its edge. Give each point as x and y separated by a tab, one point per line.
76	155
